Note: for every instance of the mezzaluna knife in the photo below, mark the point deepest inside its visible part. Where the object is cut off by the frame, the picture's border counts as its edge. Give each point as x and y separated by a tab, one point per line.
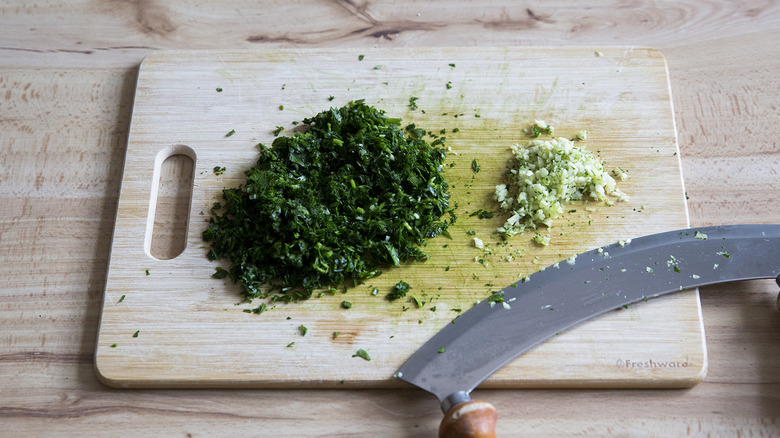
495	331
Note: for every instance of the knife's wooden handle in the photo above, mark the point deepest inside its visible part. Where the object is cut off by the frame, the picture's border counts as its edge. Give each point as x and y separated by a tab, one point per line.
471	419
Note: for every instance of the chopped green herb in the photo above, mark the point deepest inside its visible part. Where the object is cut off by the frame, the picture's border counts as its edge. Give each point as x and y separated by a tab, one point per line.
260	309
147	272
114	345
377	67
724	254
281	107
452	65
375	291
330	98
219	89
497	297
219	170
231	132
474	166
449	85
363	354
219	273
290	344
278	130
413	102
331	205
122	298
360	57
302	328
482	214
418	302
455	129
346	304
399	291
441	350
135	335
336	334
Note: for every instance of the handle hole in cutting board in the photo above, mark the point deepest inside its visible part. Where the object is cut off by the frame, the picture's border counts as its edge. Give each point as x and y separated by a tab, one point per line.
169	206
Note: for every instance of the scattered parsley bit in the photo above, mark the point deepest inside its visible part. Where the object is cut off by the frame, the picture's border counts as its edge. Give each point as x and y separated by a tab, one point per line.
302	328
259	309
452	65
418	302
482	214
413	103
147	272
724	254
219	89
441	350
360	57
377	67
290	344
219	273
114	345
281	107
278	130
474	166
231	132
336	334
449	85
135	335
701	236
330	98
399	291
281	231
346	304
363	354
219	170
122	298
497	297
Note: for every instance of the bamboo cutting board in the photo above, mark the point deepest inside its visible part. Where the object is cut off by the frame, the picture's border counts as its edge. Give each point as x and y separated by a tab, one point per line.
166	323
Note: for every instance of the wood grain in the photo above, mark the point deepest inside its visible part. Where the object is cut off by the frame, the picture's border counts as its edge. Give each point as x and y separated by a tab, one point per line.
61	157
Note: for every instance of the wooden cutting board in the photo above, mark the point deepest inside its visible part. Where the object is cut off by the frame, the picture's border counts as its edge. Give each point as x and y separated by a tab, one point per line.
167	323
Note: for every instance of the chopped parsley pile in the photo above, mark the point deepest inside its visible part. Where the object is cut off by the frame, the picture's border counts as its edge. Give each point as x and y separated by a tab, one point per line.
331	205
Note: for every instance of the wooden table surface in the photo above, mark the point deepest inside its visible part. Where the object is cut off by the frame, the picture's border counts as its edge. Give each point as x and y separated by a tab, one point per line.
67	73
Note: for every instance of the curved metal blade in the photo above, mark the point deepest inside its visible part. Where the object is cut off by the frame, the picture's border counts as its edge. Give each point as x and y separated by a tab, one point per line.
489	335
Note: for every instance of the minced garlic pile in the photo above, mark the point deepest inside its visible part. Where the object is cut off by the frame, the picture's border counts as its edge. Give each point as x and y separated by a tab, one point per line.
550	173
